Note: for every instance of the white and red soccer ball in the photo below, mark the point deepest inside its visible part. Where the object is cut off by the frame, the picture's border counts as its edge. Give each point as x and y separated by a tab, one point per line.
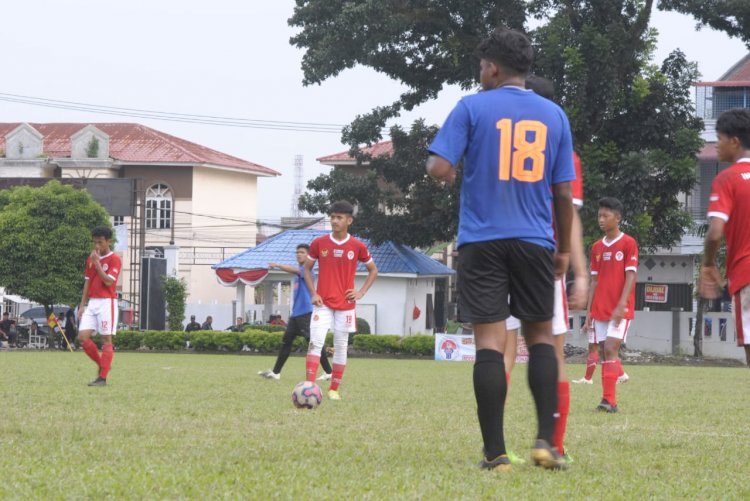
307	395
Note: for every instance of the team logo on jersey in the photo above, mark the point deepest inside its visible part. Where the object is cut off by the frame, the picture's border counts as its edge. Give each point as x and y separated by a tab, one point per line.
350	255
105	267
316	317
619	256
338	252
607	256
324	253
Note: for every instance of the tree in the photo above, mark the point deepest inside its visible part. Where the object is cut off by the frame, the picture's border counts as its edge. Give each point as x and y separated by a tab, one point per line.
46	240
396	200
633	123
175	295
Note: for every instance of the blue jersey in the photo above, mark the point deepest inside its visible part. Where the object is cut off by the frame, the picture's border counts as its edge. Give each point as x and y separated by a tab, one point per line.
301	304
515	145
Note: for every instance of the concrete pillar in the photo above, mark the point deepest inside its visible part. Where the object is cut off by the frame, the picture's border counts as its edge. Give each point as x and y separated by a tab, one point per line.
267	301
241	310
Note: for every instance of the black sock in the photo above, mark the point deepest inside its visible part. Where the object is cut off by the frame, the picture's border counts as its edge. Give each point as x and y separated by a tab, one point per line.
284	352
324	363
490	389
543	384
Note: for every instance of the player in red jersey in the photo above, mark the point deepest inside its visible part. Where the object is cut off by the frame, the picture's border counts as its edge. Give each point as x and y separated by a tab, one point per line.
98	309
729	216
614	264
335	297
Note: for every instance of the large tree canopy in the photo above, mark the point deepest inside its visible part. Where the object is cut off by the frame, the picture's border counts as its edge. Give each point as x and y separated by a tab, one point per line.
46	237
633	122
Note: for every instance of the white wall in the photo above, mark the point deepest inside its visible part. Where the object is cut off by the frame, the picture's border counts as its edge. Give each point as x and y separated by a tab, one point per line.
416	293
389	295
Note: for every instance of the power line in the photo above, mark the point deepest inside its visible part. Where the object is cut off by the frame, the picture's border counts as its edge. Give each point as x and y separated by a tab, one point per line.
174	117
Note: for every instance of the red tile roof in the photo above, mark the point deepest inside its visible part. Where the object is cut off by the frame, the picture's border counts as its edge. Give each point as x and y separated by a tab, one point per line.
739	72
376	150
135	143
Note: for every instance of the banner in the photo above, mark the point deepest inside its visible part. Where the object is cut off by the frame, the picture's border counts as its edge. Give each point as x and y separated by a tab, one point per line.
460	348
656	293
454	348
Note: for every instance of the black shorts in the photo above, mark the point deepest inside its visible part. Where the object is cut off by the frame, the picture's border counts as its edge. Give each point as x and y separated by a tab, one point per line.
297	326
490	272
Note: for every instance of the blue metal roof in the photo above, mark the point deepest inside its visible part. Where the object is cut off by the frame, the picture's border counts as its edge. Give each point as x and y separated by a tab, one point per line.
281	248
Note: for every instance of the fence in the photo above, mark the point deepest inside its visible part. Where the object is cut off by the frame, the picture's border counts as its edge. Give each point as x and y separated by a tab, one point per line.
672	333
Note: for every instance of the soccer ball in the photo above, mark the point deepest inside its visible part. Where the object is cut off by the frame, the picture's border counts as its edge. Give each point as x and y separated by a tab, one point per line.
307	395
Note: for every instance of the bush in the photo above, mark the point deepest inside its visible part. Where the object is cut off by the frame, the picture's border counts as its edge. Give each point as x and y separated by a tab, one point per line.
377	344
362	326
418	345
127	340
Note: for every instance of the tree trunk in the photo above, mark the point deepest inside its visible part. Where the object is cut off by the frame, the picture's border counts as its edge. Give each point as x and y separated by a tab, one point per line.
698	339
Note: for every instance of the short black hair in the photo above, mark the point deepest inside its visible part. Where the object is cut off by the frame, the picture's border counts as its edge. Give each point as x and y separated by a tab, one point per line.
735	123
102	231
612	204
508	48
341	207
541	86
303	246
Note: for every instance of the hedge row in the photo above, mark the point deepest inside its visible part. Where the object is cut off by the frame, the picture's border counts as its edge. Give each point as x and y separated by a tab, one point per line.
261	341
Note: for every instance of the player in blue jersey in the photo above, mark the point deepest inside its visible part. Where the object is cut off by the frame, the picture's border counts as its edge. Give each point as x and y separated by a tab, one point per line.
299	320
517	156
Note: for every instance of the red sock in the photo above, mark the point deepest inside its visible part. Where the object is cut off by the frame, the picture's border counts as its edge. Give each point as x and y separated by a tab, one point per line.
92	351
609	381
336	375
591	362
106	363
507	378
563	408
311	366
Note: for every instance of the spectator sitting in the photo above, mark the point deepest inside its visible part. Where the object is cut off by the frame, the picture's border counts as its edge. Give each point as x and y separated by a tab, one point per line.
277	320
238	326
207	324
192	325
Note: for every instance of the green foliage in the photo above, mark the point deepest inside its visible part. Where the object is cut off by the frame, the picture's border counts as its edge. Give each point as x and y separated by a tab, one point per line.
92	149
363	327
418	345
128	340
46	238
175	295
633	122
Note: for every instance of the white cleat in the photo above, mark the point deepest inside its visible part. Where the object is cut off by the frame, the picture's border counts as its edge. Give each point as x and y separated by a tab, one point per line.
324	377
269	375
624	378
583	380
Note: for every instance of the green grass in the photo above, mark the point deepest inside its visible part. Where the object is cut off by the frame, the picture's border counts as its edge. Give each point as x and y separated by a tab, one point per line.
205	426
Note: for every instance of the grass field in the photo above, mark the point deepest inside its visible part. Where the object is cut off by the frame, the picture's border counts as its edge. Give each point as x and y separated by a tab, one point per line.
205	426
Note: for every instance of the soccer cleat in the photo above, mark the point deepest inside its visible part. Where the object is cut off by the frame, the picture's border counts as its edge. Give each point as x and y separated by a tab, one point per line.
324	377
500	463
547	456
515	458
269	375
605	406
624	378
333	395
567	458
99	381
583	380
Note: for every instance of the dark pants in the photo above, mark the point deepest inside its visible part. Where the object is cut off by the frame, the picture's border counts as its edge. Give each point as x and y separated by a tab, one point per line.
298	326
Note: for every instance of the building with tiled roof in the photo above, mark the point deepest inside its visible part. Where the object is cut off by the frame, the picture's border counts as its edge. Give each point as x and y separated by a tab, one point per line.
201	200
401	301
345	158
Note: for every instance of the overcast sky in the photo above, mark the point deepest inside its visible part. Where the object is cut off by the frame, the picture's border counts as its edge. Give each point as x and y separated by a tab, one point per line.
224	58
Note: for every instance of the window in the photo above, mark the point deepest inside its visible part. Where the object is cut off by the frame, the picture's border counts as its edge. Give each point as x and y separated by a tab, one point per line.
158	207
118	220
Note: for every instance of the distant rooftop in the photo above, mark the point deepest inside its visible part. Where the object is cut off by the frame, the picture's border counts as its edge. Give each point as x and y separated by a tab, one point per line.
344	158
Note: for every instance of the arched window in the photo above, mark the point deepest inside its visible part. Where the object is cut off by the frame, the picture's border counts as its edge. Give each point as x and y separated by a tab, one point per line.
158	207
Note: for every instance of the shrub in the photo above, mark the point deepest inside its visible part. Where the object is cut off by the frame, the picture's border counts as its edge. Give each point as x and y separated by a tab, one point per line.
362	326
418	345
377	344
127	340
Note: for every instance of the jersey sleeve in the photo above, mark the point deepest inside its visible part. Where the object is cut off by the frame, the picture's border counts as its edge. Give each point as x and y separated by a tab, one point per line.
314	250
562	169
90	271
452	139
364	254
115	267
721	200
577	184
631	256
595	256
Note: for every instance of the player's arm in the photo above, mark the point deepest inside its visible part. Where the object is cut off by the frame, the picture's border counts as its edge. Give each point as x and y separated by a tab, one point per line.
372	274
592	291
579	294
84	299
284	267
563	203
619	310
314	296
106	279
710	278
441	169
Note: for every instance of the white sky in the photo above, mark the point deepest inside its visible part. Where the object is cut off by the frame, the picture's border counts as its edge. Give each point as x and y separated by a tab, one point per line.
225	58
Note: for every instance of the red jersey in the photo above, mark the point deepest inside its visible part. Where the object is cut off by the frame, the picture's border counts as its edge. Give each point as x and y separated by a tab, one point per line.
112	265
576	185
730	201
610	261
337	264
